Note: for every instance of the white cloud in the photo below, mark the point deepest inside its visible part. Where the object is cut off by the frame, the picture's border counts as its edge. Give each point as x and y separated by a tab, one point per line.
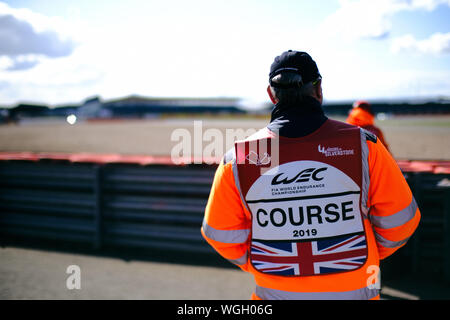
26	36
22	62
427	4
371	19
389	84
359	19
438	43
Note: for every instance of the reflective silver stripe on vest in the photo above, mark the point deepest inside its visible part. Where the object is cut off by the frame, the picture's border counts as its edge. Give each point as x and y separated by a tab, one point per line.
225	236
365	174
230	156
388	243
274	294
236	181
240	261
397	219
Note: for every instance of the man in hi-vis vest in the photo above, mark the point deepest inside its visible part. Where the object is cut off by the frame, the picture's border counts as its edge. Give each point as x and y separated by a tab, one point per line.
308	205
362	115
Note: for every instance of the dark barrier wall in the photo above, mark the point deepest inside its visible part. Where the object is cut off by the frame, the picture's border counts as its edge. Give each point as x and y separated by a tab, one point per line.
392	108
152	204
112	204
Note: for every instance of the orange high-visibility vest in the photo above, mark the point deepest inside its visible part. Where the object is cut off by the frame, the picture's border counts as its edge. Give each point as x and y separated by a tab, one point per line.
314	224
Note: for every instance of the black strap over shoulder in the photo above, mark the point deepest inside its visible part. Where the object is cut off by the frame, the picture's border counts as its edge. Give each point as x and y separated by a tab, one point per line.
369	136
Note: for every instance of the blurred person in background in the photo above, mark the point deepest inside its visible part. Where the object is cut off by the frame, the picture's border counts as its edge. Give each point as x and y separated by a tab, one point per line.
362	116
331	203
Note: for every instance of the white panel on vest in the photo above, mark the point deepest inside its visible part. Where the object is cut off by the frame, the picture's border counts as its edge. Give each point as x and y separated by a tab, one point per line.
304	200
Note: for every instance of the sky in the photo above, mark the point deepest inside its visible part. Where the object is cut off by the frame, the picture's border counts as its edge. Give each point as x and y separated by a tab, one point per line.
62	52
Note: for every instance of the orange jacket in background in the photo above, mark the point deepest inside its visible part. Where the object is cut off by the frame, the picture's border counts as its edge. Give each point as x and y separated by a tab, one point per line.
364	119
391	219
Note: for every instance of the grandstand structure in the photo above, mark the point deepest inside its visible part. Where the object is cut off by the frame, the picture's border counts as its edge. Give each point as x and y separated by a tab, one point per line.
128	107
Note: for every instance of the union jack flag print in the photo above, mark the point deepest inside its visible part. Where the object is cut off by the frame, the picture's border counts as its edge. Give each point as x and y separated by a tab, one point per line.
322	256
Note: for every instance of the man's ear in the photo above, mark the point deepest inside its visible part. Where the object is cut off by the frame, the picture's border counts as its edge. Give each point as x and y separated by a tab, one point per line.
318	91
272	95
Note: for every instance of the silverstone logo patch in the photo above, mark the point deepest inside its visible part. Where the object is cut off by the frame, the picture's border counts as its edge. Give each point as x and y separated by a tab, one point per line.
334	151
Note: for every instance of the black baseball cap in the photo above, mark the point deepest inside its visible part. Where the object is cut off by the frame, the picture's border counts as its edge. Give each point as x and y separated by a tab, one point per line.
297	62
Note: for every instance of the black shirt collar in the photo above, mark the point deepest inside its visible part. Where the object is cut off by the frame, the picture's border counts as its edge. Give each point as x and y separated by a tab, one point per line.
298	120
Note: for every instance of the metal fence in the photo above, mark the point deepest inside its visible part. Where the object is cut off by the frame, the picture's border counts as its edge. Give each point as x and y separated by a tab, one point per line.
158	205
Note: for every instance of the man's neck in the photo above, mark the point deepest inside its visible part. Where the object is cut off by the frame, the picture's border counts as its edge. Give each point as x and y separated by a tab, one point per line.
296	121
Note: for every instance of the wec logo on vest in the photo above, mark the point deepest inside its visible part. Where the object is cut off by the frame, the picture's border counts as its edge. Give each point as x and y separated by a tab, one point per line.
303	176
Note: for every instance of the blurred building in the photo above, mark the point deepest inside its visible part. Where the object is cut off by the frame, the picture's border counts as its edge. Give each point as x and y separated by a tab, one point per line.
141	107
129	107
24	111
